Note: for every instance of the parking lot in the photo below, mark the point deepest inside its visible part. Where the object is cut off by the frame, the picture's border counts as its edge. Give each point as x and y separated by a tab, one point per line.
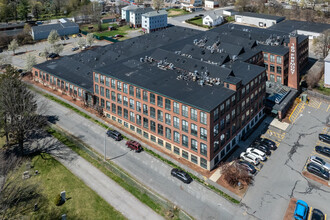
19	59
280	177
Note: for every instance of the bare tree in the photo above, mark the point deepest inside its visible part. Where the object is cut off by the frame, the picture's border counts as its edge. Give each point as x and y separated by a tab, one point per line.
321	44
30	62
90	39
234	174
157	4
53	37
18	108
241	5
81	42
13	46
14	191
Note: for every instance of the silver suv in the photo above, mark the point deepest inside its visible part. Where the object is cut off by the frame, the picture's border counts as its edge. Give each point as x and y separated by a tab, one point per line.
319	161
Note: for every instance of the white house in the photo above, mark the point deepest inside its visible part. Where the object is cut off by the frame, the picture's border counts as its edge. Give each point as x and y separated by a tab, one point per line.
327	71
135	18
191	5
125	12
211	4
154	20
212	20
229	12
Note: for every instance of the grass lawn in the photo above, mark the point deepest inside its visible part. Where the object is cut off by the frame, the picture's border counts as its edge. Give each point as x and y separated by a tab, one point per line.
2	141
176	12
105	33
84	203
322	89
198	21
229	19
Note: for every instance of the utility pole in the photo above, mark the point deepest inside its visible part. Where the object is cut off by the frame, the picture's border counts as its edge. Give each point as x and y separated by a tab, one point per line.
105	149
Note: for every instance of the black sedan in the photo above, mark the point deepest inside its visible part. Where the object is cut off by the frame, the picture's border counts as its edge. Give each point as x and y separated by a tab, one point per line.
323	150
269	143
317	215
181	175
325	138
318	171
263	147
247	166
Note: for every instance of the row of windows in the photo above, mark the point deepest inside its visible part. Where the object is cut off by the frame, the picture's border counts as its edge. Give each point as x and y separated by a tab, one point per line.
159	128
271	58
272	68
192	129
151	99
64	86
225	107
235	126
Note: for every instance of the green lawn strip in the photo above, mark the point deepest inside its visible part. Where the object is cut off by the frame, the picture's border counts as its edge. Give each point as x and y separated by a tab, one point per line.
322	89
198	21
105	32
54	178
100	164
174	10
229	19
146	149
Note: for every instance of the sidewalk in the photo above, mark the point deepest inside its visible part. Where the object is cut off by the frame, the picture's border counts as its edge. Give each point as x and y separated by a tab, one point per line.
109	190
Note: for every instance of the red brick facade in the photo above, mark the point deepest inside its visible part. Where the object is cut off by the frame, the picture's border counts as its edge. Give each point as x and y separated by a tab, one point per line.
191	129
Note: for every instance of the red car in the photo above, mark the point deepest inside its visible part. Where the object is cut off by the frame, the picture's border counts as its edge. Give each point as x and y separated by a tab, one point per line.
134	145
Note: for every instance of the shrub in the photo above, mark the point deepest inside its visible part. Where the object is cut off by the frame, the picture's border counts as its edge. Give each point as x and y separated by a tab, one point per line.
58	200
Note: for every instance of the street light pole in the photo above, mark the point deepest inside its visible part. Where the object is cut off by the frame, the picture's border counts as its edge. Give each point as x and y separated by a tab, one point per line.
105	150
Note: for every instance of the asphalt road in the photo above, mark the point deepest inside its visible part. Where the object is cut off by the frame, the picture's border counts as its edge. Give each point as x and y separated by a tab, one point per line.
194	198
280	178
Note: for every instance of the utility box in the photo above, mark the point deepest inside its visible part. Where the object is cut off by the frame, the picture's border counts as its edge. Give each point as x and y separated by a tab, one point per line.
304	98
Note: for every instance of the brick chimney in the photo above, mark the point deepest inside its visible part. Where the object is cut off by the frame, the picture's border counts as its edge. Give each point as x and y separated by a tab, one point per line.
293	75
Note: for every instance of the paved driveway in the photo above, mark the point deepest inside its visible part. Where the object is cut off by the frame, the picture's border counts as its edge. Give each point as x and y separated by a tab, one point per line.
280	178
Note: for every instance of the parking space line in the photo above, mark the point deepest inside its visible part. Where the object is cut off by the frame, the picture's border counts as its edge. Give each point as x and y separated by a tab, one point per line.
325	216
257	168
310	213
261	162
322	143
328	107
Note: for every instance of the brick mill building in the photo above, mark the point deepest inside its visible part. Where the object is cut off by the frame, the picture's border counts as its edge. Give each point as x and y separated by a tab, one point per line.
195	94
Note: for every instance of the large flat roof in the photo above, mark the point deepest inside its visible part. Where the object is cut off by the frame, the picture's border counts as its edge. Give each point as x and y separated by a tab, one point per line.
264	16
292	25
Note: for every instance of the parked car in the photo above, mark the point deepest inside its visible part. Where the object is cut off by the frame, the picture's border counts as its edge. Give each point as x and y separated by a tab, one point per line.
258	153
62	38
249	167
323	150
249	158
301	211
134	145
79	35
318	171
74	36
53	55
269	143
201	15
319	161
181	175
75	48
325	138
262	147
115	135
66	37
317	215
119	35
